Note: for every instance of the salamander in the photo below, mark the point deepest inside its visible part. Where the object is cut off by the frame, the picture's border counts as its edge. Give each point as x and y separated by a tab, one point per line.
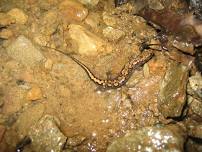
124	74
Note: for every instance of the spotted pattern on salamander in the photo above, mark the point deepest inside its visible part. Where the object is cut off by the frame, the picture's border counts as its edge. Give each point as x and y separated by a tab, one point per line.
124	74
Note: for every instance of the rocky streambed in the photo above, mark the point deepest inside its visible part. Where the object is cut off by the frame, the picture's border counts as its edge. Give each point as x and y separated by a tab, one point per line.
48	103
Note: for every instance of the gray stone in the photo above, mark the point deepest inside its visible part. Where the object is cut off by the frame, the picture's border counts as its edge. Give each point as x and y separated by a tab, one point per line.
24	51
113	34
28	118
196	84
46	136
196	107
159	138
172	95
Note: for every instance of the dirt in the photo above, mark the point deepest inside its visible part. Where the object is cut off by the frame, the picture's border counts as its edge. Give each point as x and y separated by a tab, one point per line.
63	89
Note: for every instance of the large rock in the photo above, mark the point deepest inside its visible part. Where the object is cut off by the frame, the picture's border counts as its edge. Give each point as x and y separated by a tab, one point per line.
46	136
73	11
24	51
28	118
172	95
93	19
6	34
34	93
161	138
88	43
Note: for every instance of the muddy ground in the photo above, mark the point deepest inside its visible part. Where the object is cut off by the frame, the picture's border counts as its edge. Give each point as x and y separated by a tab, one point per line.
49	103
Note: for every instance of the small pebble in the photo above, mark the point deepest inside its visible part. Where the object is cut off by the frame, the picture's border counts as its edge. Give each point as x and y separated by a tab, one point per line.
48	64
113	34
93	20
89	2
34	94
6	34
73	10
75	141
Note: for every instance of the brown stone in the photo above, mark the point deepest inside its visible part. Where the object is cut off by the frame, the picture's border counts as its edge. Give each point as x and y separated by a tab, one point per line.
34	94
48	64
172	94
6	34
18	15
6	20
72	11
88	42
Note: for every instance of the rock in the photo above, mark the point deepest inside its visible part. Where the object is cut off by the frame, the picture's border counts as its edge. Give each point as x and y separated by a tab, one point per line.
194	129
48	64
93	20
176	55
113	34
172	95
41	39
74	141
89	2
155	4
18	15
6	20
196	107
46	136
195	83
6	34
34	94
87	42
48	23
159	138
24	51
108	19
184	46
72	11
28	118
23	84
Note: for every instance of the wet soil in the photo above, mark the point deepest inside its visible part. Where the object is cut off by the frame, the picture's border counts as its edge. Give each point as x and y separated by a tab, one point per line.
53	84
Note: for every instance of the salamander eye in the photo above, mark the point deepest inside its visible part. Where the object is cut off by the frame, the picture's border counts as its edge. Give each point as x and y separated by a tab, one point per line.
144	46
